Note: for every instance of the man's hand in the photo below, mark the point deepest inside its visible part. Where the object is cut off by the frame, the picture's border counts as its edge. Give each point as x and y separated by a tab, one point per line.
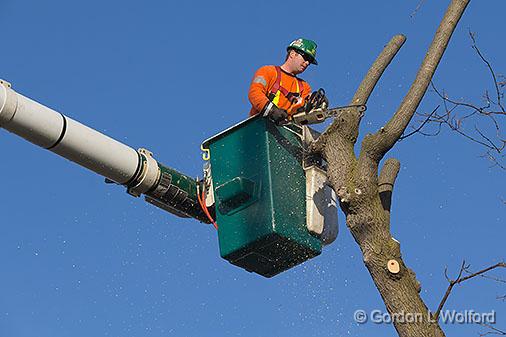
277	115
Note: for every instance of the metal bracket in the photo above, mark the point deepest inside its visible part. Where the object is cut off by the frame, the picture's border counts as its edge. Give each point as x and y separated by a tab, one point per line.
5	83
148	174
208	182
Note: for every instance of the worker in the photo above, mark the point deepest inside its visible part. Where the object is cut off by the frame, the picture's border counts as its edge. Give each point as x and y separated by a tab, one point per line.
276	91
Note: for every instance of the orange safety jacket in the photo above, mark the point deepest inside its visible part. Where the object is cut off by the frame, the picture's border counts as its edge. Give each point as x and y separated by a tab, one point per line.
285	90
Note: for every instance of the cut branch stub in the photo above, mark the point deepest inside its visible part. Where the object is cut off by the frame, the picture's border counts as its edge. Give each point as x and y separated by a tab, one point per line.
393	266
386	182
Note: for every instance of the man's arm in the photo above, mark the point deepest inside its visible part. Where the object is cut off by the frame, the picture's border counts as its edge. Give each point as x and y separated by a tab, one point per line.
259	88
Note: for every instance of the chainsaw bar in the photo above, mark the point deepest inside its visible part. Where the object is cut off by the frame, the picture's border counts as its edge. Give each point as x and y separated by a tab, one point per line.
319	115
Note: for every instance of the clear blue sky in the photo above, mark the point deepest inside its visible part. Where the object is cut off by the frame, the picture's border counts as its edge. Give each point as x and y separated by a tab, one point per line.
81	258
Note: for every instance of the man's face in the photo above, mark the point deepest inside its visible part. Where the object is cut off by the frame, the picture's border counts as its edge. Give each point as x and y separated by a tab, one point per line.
299	61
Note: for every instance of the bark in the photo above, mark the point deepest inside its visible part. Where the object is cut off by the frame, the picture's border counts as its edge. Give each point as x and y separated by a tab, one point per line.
365	197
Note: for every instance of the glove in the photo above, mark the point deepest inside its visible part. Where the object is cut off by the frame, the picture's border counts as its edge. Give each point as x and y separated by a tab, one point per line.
277	115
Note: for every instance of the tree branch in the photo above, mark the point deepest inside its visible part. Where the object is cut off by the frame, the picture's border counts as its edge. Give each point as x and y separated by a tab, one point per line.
384	139
492	111
377	69
364	91
417	9
489	66
494	147
460	279
421	125
493	331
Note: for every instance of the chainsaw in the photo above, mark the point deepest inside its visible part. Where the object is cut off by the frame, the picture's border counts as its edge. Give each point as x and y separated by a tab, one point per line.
316	110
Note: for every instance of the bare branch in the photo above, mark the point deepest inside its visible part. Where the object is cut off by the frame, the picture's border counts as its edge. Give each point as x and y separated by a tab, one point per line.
496	279
455	123
479	273
502	81
421	125
495	162
475	47
417	8
488	140
481	110
449	290
492	111
494	331
460	279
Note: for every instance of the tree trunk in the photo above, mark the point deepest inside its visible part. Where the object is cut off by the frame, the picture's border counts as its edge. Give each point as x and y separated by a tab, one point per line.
365	196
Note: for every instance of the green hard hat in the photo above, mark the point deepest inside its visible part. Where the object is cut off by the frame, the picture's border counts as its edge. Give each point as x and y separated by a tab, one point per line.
306	46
